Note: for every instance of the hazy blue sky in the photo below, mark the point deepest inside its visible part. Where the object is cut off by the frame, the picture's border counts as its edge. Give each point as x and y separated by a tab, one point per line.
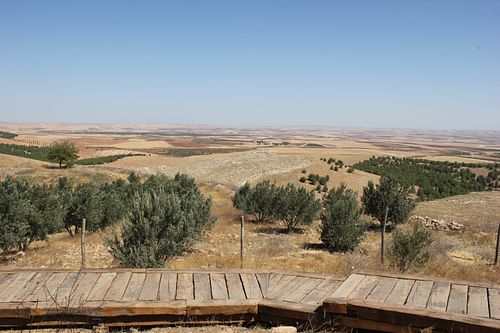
373	63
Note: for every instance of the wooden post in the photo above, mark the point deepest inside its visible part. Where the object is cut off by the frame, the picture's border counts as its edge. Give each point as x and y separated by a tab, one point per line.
82	242
498	243
383	234
242	235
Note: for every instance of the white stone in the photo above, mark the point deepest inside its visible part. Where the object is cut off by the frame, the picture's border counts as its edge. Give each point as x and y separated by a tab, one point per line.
284	329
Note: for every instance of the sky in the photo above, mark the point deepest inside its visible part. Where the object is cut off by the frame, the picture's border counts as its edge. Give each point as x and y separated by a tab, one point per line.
430	64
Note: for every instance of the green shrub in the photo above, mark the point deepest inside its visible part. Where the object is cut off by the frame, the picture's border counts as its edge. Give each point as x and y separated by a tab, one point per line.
296	206
64	152
167	216
408	250
302	179
259	201
389	193
342	227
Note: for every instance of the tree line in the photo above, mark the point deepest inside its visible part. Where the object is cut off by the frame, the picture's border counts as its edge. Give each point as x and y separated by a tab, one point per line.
64	153
431	179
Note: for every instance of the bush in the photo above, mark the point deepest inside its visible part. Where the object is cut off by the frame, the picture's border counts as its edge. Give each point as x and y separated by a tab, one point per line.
296	206
260	201
16	213
389	193
28	212
302	179
342	227
408	250
167	216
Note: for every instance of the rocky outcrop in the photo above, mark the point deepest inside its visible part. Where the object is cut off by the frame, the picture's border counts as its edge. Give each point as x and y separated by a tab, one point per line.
437	224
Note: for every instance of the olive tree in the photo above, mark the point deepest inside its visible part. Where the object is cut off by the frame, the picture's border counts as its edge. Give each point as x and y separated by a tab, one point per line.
259	201
342	226
296	206
64	152
389	193
166	217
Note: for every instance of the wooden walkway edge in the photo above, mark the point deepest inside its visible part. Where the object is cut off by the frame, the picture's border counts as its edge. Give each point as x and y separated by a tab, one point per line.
121	297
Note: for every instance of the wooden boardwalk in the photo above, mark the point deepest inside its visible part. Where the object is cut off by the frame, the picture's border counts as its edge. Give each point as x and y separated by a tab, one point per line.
390	301
155	297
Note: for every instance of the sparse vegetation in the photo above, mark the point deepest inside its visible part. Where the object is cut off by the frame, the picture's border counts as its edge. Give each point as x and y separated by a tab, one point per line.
409	249
342	227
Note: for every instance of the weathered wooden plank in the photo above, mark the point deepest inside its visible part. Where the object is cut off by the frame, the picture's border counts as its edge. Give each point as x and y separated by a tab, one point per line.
15	285
405	317
276	311
400	292
274	278
280	286
347	286
5	279
478	302
215	308
219	288
134	287
202	291
81	292
318	294
168	287
263	279
185	286
382	289
117	288
67	288
419	294
235	287
31	287
150	288
457	303
494	300
251	285
364	288
101	287
49	289
305	286
438	299
290	287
